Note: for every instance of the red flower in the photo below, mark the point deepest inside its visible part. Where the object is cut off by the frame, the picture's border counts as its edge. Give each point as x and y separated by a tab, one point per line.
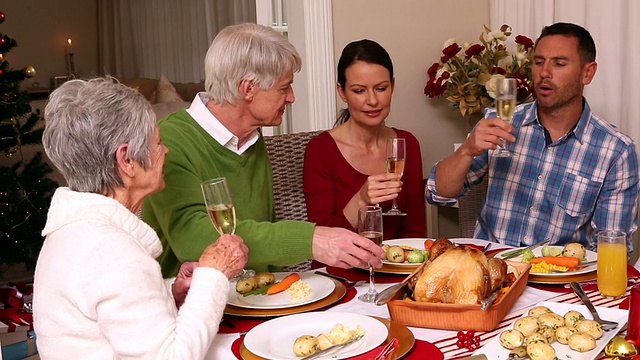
435	87
433	70
474	50
524	41
498	70
449	52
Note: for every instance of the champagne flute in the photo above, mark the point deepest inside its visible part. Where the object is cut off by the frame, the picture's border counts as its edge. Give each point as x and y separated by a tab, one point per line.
219	203
370	227
396	156
506	90
222	211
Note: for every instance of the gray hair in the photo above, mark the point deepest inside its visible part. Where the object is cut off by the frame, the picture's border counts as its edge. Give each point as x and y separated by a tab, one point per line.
247	52
86	121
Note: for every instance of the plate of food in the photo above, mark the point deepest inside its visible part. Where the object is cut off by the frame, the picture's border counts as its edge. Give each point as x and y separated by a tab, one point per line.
557	257
409	252
566	341
310	289
293	336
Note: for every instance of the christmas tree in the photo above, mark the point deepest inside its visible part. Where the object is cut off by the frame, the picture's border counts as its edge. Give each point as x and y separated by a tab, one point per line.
25	191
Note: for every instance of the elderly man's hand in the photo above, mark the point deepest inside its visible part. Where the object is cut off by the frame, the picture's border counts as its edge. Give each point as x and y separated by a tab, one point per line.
343	248
487	135
228	254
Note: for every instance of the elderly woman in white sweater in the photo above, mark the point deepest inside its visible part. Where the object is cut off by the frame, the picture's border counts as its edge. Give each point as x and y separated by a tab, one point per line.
98	291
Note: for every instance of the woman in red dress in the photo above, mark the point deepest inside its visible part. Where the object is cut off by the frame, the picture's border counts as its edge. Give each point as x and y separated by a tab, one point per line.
345	167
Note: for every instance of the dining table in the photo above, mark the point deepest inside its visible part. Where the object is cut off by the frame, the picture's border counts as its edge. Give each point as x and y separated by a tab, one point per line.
429	343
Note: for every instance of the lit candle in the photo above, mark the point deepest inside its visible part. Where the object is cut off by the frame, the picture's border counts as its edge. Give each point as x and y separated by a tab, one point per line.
71	69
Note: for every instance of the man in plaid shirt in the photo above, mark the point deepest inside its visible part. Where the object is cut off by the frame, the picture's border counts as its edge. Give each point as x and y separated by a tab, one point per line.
572	173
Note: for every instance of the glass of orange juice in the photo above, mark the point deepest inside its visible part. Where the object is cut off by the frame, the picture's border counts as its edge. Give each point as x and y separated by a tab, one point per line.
612	263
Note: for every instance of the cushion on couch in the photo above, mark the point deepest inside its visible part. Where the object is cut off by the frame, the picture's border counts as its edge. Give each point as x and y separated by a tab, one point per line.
165	92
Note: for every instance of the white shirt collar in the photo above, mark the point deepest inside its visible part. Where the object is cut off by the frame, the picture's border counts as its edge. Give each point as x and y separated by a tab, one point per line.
201	114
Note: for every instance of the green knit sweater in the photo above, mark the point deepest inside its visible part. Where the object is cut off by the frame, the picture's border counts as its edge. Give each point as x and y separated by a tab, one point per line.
180	218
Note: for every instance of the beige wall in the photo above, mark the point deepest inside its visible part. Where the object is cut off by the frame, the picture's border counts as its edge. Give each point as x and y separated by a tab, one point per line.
413	32
41	28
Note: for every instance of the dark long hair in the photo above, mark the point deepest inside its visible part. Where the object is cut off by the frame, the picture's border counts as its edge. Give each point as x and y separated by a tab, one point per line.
365	50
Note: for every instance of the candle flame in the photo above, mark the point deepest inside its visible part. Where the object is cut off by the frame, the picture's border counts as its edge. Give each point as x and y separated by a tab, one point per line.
69	41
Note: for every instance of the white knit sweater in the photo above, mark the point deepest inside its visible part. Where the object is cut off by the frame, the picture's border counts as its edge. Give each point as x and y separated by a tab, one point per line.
99	292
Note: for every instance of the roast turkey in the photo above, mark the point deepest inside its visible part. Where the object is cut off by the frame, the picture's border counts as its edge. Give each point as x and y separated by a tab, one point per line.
460	275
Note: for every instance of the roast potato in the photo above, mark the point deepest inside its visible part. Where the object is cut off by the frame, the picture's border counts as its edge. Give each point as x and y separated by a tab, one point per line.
572	317
541	350
548	332
243	286
563	333
582	342
589	327
551	319
265	278
305	345
511	339
539	310
526	325
575	250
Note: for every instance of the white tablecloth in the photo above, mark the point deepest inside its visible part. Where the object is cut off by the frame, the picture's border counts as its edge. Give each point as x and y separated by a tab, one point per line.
221	348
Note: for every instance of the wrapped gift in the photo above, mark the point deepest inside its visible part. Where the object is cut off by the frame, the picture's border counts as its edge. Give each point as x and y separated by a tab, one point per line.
22	346
17	339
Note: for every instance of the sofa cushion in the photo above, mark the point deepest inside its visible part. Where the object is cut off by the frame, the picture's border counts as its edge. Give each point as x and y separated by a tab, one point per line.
165	91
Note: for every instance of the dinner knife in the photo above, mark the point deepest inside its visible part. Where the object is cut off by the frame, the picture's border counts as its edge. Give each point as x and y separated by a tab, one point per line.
332	348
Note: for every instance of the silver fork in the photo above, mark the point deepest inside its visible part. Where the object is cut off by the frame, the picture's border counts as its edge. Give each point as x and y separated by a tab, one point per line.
350	283
606	324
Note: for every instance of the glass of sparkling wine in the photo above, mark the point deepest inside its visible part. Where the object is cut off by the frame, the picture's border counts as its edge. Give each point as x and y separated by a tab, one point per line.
506	90
219	203
370	227
396	157
612	263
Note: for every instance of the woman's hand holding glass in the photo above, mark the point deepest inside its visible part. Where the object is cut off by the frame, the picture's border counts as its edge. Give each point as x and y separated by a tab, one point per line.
380	188
229	254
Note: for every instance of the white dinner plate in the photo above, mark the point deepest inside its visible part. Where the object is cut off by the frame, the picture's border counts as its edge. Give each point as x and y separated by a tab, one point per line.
494	350
538	252
320	286
417	243
274	339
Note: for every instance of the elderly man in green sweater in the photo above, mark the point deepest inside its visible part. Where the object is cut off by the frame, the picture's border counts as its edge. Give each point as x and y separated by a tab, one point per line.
249	71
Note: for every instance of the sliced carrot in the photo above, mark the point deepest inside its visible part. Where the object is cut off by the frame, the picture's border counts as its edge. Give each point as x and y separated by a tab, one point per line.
284	284
568	261
428	244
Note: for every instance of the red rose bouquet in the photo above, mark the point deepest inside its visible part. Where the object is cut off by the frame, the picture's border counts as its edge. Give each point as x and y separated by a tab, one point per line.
467	73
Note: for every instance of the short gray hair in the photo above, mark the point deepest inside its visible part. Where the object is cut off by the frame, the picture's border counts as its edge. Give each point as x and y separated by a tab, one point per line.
86	121
247	52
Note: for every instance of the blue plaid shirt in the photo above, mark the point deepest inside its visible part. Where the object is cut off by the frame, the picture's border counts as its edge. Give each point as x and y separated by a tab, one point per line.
566	191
